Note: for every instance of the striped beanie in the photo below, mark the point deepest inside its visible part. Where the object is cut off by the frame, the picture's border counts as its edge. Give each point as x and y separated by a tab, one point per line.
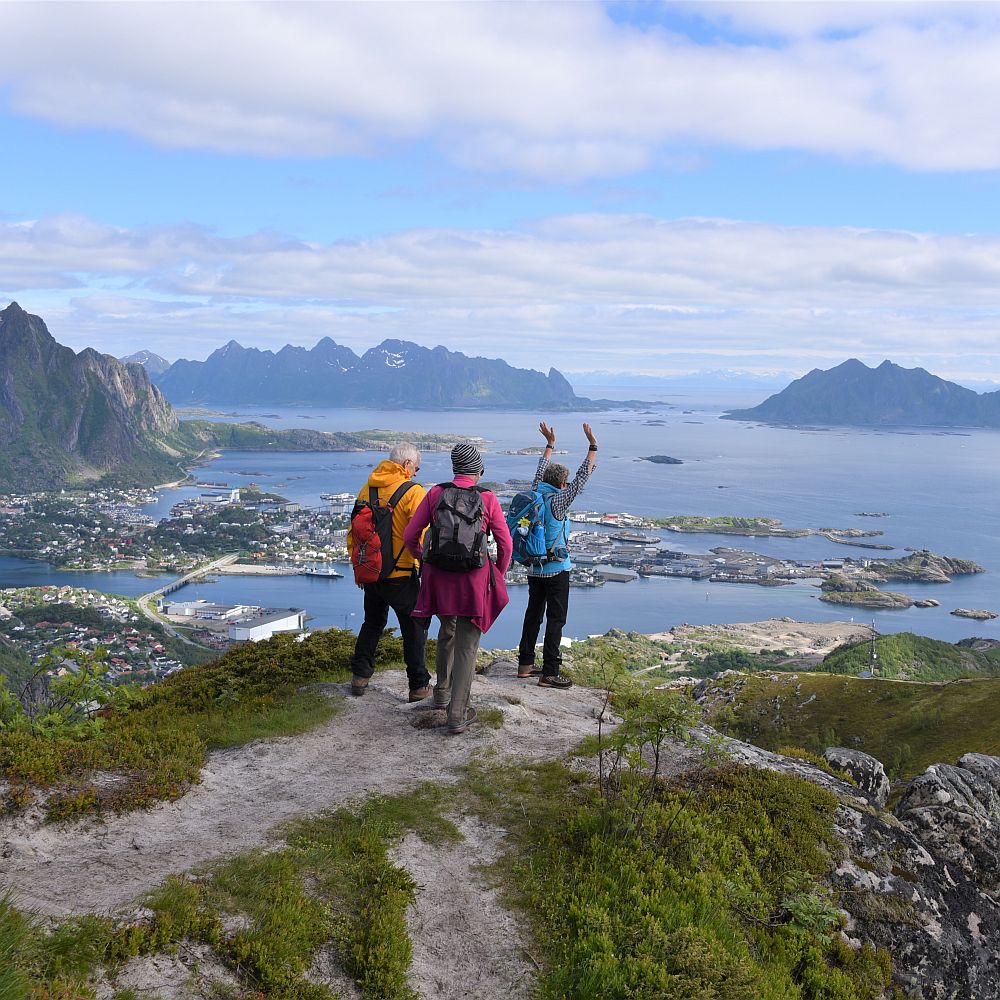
466	460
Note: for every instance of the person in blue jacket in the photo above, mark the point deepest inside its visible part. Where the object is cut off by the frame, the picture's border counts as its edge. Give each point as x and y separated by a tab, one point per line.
548	585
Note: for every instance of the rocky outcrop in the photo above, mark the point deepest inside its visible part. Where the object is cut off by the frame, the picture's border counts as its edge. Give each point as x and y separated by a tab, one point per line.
886	600
921	882
867	772
65	415
955	810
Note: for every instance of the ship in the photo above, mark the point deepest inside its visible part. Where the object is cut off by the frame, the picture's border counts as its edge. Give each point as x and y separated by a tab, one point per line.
327	571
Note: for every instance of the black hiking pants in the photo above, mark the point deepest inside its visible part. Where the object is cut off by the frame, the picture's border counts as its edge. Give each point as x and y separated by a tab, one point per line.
548	598
400	594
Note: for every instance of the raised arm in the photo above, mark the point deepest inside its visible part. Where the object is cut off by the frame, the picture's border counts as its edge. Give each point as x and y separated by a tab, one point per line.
563	500
549	433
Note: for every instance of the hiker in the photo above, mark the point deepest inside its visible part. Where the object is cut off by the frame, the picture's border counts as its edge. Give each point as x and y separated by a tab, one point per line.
459	581
386	571
548	582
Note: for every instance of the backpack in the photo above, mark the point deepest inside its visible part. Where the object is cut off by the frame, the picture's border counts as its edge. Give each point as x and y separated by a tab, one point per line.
371	534
456	538
526	517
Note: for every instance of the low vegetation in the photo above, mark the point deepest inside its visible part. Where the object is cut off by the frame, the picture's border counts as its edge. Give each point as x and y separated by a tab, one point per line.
905	656
907	726
632	886
154	741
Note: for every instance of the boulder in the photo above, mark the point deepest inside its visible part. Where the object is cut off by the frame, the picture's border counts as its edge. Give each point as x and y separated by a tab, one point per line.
955	812
867	772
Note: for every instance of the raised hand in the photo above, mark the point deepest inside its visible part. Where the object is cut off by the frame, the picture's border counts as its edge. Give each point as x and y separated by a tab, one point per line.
549	433
590	434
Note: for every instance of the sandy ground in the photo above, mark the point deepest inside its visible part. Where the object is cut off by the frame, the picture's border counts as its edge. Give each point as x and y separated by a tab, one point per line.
810	641
456	916
378	742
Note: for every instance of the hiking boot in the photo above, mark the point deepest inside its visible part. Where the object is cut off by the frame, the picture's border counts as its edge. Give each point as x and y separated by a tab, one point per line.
460	727
554	681
527	670
358	685
418	694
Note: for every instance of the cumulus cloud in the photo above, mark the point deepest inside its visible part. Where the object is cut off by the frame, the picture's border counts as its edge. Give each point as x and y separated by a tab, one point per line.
596	290
549	90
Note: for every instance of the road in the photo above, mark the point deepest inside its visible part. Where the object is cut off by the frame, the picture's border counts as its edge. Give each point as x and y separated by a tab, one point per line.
146	599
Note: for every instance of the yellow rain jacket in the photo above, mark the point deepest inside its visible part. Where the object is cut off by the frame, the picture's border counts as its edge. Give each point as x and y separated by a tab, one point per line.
386	477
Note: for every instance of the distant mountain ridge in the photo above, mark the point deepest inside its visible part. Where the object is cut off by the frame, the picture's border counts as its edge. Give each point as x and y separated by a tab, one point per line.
153	363
396	374
66	416
853	394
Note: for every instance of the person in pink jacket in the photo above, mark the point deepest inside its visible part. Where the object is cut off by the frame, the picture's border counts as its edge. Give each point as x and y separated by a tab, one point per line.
467	603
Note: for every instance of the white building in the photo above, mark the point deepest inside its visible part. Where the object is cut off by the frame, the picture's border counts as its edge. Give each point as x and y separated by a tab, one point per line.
266	623
203	609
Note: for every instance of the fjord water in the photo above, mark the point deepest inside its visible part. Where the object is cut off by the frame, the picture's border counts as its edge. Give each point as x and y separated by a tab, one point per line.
939	488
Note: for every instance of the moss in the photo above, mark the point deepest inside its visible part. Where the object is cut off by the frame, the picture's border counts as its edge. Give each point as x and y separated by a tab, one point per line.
882	908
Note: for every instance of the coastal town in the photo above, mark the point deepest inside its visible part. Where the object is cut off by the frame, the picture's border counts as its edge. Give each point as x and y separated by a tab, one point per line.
247	531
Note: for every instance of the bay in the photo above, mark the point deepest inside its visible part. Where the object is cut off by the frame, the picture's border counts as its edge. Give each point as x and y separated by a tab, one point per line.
939	489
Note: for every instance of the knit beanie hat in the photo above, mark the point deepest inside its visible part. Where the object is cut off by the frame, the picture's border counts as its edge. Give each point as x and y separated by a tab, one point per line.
466	460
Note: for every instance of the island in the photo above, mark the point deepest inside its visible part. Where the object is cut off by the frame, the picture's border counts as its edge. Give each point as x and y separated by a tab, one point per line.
982	616
660	460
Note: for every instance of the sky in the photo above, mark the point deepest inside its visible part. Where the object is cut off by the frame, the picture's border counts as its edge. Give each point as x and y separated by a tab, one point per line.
646	187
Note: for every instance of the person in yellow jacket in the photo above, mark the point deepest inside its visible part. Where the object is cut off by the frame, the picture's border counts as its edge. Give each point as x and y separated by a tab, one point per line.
399	589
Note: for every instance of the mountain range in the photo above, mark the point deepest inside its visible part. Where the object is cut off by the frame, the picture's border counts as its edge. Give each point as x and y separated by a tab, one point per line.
396	374
75	416
852	394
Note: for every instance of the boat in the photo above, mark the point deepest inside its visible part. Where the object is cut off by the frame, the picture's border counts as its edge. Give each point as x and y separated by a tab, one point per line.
327	571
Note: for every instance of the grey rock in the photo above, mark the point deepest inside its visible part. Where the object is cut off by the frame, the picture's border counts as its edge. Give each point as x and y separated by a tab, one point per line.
864	769
955	811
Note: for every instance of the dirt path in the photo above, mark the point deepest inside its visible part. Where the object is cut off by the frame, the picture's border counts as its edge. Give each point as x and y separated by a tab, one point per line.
465	942
378	742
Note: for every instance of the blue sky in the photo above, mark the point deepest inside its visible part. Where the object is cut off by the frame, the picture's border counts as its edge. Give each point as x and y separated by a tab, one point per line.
647	187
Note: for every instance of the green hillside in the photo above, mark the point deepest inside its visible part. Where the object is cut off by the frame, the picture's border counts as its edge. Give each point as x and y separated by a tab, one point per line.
907	726
905	656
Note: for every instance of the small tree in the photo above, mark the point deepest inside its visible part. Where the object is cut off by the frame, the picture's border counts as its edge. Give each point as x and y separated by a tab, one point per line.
63	702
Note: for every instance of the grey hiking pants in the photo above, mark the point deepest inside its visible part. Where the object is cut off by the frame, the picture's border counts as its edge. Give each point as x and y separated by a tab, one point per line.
457	645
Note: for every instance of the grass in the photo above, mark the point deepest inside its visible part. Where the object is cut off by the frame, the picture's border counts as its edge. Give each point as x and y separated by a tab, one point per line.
157	747
264	913
907	726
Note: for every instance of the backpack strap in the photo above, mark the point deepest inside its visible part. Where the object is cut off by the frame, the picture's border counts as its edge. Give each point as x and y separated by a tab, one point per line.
397	495
373	495
399	491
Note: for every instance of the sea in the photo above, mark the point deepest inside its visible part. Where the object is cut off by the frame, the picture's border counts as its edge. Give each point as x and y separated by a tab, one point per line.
939	489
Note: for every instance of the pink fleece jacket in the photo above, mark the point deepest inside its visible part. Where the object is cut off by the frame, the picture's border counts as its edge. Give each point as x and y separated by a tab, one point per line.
479	594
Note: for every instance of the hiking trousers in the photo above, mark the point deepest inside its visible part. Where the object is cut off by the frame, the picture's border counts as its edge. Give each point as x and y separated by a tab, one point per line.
548	598
400	594
457	645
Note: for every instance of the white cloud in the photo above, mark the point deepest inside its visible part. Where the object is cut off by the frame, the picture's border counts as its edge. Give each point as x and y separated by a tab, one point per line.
584	291
553	90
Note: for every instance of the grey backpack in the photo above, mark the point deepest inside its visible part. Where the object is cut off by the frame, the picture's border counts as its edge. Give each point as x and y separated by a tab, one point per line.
456	539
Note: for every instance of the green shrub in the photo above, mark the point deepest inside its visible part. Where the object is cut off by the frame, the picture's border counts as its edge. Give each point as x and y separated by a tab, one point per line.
156	742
